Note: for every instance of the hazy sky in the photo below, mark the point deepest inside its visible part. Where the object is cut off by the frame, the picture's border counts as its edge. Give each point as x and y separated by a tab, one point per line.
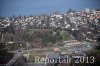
36	7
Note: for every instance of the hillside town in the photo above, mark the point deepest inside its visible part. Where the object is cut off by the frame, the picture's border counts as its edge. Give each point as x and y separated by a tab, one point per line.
72	33
82	24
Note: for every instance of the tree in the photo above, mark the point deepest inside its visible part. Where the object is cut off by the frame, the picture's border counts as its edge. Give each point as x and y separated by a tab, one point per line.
70	10
4	56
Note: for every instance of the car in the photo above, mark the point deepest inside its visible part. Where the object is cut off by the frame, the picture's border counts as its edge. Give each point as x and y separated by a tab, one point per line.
19	50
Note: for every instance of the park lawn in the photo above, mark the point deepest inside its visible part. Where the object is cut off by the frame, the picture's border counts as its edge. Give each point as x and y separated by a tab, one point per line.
32	57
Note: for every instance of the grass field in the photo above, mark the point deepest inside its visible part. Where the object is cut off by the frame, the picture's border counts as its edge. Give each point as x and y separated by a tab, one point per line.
33	55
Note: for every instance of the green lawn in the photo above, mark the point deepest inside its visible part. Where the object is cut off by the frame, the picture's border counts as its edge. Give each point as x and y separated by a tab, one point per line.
32	57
